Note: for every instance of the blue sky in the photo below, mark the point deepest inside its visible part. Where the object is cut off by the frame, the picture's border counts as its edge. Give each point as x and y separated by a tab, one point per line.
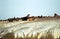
20	8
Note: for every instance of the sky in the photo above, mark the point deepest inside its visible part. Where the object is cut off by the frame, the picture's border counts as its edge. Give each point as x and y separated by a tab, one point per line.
20	8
